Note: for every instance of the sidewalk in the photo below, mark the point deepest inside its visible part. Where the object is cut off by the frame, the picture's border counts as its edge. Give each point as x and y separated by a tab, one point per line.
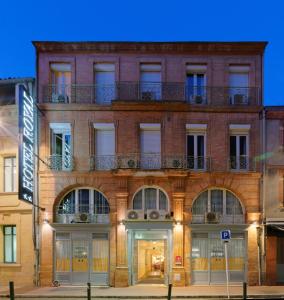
144	292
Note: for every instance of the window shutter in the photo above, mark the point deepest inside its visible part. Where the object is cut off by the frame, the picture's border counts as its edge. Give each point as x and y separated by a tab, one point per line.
105	142
60	67
150	141
150	73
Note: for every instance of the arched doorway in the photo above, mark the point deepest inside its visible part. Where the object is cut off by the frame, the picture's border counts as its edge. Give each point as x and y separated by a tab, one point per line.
150	237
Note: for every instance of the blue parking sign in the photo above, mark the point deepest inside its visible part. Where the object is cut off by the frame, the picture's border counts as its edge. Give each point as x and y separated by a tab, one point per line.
225	235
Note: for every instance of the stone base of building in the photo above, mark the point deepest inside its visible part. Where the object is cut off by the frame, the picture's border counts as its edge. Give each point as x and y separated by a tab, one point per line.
178	276
121	277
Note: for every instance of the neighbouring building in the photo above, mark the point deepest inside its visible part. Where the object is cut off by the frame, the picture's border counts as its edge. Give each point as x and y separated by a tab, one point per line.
150	150
274	194
16	242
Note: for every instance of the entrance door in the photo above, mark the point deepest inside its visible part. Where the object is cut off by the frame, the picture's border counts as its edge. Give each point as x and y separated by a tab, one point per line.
80	261
208	258
151	261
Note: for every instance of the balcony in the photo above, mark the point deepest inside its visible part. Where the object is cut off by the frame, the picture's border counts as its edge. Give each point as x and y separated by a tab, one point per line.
60	163
68	214
242	163
151	92
150	162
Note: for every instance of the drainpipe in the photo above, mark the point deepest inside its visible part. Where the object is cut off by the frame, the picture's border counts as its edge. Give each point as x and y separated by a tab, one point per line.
263	190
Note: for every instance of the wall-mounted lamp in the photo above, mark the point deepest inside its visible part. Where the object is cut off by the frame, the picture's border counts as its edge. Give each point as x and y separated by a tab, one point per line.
45	221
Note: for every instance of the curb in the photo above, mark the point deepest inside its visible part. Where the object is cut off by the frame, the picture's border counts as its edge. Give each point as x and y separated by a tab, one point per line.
25	296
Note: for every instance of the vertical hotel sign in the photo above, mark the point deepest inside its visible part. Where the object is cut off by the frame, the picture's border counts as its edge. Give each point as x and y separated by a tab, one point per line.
26	145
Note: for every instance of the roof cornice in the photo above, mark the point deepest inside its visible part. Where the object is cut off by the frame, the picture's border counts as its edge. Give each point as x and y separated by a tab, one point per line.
245	48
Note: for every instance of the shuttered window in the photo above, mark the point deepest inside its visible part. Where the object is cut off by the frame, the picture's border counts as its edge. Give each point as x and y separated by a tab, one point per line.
104	82
150	146
150	141
104	146
105	142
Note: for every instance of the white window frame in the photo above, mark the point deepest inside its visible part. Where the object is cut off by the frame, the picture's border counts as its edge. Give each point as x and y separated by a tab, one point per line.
197	130
64	129
224	200
150	86
197	70
239	130
157	197
13	170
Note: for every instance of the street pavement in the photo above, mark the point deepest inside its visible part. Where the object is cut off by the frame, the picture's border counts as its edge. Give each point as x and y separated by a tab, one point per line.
144	292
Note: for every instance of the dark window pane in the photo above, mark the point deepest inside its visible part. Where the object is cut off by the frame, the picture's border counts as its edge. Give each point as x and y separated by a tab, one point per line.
67	205
217	201
190	145
243	145
137	201
150	198
233	145
101	205
83	200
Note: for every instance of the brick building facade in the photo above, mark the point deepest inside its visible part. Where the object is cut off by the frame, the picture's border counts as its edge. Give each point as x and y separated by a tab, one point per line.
273	187
150	151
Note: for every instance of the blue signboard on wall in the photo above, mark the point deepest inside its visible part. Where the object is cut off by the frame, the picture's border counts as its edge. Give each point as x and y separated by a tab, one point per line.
26	144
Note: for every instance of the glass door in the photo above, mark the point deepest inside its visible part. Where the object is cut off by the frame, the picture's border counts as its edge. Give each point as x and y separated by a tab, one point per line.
80	261
100	259
217	261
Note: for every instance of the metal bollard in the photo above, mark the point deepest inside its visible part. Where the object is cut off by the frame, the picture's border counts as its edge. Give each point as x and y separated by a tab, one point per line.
12	291
89	291
170	292
244	290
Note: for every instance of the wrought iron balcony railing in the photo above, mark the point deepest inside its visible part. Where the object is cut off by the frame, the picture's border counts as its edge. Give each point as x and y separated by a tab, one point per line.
241	163
150	161
103	162
69	214
60	163
150	91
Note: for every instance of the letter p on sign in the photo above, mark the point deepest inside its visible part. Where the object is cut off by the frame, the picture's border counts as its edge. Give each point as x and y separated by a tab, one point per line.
225	235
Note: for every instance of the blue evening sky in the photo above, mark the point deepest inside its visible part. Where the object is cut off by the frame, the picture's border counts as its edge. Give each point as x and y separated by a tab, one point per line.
22	21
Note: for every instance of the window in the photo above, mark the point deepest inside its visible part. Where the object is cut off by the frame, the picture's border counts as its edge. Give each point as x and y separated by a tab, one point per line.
83	201
10	244
60	82
239	84
150	198
219	201
150	81
196	146
104	82
10	174
150	143
238	152
61	154
196	84
104	146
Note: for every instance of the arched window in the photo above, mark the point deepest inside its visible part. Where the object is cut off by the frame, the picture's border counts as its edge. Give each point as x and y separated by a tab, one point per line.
88	201
219	201
150	198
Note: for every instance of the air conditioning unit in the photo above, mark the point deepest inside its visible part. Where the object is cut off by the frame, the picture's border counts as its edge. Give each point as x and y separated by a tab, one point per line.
147	96
176	164
82	218
240	99
153	214
59	98
132	164
135	214
212	218
198	99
